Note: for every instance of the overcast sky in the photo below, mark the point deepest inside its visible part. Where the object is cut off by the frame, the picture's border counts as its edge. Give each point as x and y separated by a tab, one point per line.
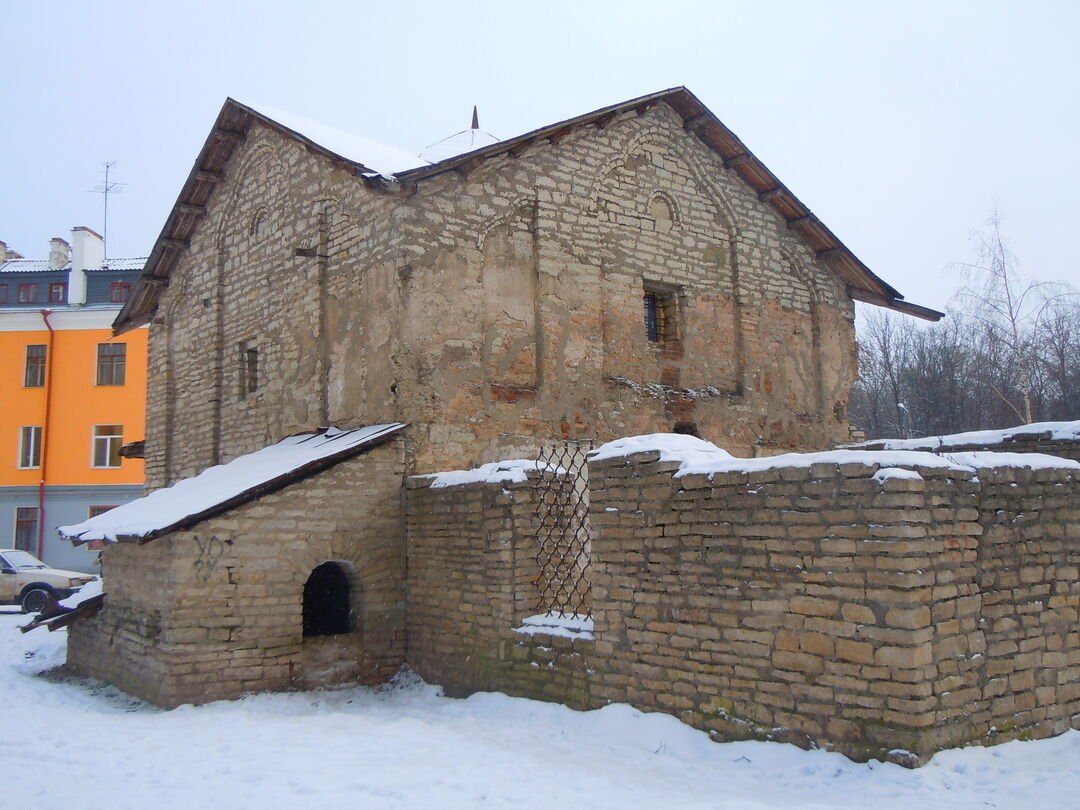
900	124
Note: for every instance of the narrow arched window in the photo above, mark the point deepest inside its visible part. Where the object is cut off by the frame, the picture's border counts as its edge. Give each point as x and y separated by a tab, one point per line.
326	601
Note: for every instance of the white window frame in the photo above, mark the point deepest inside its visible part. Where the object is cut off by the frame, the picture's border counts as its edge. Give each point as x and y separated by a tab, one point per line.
30	434
106	440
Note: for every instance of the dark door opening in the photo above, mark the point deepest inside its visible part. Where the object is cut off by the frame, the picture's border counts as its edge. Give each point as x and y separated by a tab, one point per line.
326	601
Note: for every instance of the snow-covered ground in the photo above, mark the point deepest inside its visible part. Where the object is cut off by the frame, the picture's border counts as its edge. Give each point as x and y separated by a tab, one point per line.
84	745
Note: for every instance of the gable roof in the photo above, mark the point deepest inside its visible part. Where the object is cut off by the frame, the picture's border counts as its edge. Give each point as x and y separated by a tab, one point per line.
386	168
218	489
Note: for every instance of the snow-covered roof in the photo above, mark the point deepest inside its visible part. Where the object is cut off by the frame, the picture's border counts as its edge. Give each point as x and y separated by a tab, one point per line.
219	488
378	157
1055	431
131	263
42	265
31	266
696	456
457	144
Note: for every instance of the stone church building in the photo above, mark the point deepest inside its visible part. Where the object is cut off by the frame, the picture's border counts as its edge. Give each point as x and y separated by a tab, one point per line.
635	270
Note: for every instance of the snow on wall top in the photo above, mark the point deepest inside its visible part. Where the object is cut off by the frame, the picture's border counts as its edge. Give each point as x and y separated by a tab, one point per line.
1058	431
697	456
166	508
512	470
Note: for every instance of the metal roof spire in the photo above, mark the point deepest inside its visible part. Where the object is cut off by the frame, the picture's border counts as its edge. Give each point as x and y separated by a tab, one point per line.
475	119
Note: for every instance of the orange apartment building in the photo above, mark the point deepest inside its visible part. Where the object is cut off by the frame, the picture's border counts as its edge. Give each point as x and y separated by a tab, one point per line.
71	395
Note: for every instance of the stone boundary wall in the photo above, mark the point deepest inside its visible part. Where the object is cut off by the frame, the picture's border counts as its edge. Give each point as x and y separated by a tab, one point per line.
216	611
1008	657
471	580
858	609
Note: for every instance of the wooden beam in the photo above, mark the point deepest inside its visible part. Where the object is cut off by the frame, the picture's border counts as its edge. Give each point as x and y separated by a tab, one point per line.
737	160
800	222
771	194
604	120
191	208
176	244
523	147
559	134
641	109
692	123
470	165
828	253
230	135
208	176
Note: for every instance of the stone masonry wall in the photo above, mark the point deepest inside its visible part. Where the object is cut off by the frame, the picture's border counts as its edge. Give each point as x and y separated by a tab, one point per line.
1006	641
505	302
472	573
859	609
216	611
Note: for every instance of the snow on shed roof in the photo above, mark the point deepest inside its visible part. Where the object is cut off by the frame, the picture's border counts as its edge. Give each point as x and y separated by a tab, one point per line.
1054	431
218	488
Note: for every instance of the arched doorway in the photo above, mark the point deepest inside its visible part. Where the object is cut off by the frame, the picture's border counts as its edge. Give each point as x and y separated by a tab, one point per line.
326	602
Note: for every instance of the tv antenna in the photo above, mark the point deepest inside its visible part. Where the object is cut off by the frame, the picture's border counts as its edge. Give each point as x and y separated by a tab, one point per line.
105	189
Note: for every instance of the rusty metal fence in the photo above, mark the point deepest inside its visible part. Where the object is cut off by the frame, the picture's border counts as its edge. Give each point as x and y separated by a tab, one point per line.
563	544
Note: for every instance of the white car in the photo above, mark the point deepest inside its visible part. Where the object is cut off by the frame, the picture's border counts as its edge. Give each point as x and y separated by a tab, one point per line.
27	581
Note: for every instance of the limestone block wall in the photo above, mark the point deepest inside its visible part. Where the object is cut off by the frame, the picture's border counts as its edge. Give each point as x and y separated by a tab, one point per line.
503	302
1006	642
216	611
861	609
471	580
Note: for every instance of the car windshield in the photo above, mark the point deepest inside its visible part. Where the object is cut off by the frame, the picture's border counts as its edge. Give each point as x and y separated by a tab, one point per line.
20	559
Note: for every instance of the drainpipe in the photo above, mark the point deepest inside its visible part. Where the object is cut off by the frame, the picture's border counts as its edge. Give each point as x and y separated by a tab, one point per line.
49	360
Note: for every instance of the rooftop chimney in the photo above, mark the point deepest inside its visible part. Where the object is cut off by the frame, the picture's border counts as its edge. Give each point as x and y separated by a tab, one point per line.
59	253
87	253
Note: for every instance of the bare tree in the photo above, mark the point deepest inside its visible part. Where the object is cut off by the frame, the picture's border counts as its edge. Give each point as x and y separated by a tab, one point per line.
1009	311
1009	352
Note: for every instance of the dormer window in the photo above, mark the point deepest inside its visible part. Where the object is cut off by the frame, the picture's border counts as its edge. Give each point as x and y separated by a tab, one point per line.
119	292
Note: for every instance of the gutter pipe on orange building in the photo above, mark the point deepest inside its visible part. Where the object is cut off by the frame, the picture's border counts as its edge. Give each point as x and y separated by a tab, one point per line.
49	361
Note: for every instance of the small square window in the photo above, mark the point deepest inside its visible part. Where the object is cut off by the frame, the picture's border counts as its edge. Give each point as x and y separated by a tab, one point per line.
30	447
111	363
249	369
58	293
119	292
107	442
3	293
28	293
660	315
34	371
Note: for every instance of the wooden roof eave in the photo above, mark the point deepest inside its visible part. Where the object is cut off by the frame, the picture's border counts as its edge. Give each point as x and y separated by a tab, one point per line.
230	130
895	304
